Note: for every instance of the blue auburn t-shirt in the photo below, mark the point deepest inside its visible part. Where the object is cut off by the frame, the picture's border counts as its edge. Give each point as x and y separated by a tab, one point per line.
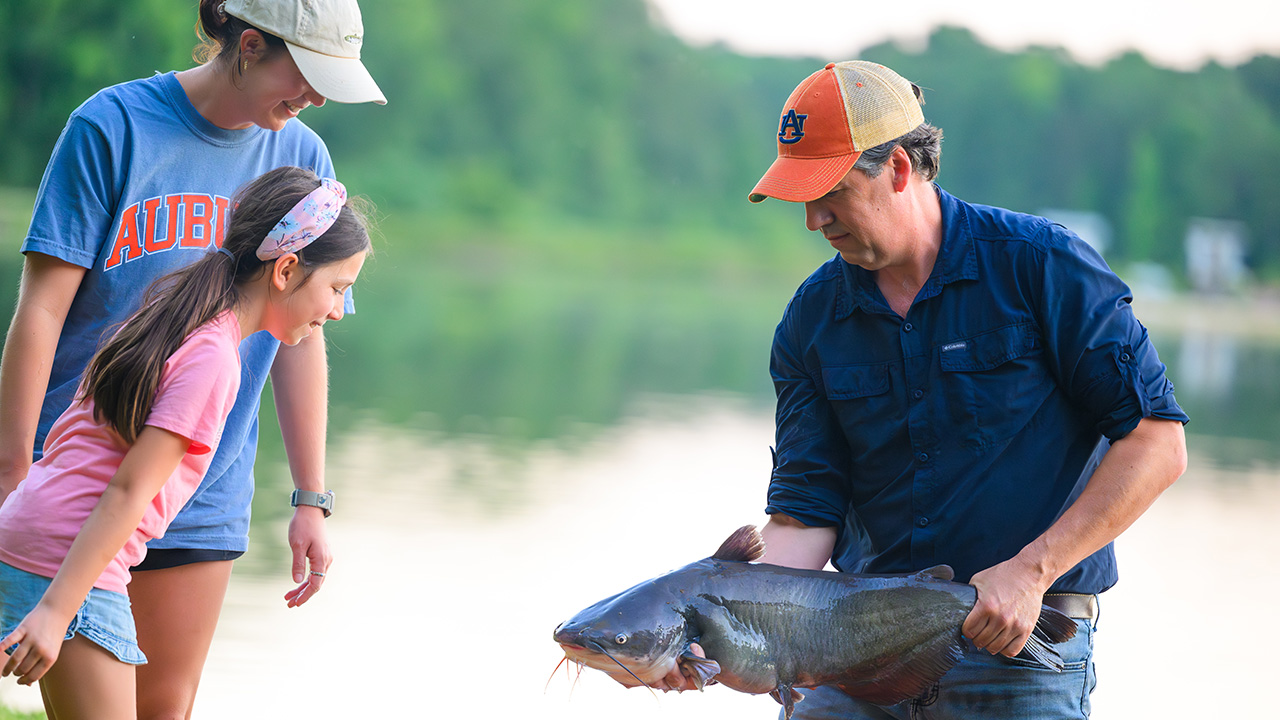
139	185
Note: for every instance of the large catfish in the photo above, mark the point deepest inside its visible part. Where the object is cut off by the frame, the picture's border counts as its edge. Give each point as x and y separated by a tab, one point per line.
771	629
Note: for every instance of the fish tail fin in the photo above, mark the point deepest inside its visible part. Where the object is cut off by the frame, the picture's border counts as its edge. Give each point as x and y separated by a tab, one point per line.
1037	650
1052	628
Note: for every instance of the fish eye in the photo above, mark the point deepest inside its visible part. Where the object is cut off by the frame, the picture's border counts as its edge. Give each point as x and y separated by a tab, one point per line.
621	639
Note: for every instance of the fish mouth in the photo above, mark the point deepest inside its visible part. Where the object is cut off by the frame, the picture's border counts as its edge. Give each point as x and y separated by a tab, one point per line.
600	649
585	651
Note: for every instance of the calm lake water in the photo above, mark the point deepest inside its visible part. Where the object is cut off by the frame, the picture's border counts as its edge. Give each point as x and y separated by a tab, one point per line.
494	479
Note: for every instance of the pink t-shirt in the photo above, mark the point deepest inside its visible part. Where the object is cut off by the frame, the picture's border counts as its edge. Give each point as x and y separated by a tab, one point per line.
39	520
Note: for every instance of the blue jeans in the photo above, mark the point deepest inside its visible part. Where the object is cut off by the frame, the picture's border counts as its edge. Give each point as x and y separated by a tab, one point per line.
980	686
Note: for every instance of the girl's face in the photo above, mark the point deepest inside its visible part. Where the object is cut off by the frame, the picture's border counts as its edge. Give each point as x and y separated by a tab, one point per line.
301	307
276	91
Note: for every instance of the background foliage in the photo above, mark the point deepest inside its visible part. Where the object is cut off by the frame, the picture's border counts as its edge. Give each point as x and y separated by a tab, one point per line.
511	112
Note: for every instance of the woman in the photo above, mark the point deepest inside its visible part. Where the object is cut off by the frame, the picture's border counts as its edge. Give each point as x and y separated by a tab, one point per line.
139	185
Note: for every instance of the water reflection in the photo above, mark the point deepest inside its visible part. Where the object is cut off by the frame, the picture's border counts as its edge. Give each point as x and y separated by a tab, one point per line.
534	445
1207	363
443	599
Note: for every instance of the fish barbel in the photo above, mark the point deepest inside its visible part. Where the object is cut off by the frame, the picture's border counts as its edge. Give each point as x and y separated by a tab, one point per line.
771	629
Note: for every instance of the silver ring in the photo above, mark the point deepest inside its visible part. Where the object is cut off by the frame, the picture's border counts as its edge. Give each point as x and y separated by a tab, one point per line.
313	572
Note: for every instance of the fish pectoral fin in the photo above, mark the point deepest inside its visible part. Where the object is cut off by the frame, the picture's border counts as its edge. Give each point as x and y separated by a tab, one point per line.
899	680
700	670
787	697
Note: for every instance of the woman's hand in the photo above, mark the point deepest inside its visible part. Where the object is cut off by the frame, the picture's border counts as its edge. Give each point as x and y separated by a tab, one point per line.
312	557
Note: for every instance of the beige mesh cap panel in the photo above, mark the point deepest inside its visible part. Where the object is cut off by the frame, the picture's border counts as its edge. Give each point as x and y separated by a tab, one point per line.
880	104
826	123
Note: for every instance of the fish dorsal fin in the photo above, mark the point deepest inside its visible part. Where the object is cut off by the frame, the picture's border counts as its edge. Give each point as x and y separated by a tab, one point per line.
744	545
937	572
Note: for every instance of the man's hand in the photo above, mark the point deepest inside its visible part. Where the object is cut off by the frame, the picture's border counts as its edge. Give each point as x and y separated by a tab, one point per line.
675	680
1009	599
310	544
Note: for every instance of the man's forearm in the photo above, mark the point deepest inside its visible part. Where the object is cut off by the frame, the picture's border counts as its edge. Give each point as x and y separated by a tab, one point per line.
1134	472
791	543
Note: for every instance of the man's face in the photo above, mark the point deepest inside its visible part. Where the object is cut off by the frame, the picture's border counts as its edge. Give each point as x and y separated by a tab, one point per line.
857	218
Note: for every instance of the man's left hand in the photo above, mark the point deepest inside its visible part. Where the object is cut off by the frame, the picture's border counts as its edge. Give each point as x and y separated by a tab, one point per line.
1009	600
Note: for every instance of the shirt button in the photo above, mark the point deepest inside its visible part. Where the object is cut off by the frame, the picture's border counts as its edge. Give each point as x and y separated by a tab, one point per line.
923	457
907	327
922	521
917	394
1124	357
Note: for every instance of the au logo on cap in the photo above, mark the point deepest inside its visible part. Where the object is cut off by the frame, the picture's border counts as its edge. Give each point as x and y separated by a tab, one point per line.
794	124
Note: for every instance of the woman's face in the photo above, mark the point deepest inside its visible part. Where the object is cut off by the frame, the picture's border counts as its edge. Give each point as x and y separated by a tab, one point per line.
275	90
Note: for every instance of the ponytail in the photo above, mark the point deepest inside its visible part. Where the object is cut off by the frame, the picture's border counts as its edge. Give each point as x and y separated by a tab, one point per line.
124	375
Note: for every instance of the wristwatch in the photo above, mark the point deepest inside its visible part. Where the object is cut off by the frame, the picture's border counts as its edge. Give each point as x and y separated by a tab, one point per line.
323	500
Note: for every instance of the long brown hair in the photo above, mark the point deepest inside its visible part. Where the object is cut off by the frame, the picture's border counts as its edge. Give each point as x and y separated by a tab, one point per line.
123	376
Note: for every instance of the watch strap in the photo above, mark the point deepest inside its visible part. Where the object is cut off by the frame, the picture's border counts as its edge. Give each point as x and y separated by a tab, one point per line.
323	500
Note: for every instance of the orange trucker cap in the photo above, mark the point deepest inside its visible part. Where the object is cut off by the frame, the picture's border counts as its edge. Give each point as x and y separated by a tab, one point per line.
828	121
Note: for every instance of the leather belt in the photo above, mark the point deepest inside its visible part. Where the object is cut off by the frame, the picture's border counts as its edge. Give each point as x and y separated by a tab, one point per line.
1074	605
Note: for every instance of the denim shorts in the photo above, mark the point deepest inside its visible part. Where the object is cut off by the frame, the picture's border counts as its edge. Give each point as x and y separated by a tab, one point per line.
104	617
980	686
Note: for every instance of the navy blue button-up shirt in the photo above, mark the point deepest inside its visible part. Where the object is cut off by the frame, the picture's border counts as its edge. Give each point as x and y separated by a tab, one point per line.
959	433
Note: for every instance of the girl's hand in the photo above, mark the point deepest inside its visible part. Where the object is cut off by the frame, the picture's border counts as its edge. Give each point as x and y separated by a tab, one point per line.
39	640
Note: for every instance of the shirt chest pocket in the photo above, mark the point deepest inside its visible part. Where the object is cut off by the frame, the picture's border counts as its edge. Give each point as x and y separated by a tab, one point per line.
994	383
861	398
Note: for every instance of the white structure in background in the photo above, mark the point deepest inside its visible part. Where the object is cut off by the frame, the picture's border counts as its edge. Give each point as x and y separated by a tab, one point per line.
1215	254
1090	226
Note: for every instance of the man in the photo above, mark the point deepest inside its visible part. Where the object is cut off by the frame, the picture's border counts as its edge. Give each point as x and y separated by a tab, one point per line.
961	384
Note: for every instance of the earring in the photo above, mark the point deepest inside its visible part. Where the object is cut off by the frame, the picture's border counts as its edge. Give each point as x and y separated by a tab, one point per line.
245	66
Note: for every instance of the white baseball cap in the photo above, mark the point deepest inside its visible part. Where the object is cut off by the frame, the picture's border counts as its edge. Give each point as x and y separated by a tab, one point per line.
324	38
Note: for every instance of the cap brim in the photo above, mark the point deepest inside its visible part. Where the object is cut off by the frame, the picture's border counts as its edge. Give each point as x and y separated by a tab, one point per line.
802	179
339	79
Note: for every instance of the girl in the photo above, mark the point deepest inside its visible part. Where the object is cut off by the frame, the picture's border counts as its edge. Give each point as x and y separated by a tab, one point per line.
121	461
138	186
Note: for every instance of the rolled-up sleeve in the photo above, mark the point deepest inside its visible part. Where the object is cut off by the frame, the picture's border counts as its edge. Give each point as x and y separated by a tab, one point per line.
1099	352
810	479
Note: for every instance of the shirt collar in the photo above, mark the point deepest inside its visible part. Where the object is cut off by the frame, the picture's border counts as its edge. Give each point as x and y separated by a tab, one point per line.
956	261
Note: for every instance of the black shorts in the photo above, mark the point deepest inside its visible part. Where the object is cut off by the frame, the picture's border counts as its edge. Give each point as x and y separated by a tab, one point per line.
161	559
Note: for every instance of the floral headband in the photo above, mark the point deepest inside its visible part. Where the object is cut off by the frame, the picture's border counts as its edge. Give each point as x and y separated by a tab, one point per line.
308	220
